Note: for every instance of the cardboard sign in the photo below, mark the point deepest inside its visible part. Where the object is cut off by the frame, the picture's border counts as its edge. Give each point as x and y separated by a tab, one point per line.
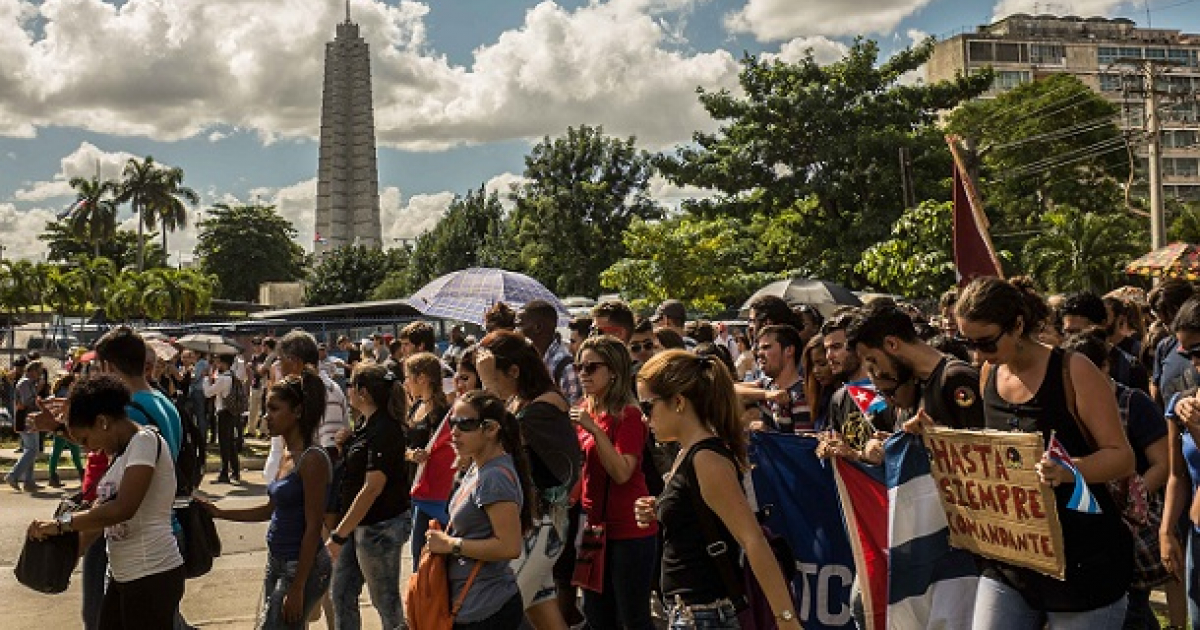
994	502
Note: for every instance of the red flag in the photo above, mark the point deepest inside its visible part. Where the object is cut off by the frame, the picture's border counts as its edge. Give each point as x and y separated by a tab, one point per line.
974	255
865	510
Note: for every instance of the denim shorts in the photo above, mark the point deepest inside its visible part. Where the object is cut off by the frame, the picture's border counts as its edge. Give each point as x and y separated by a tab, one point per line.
718	616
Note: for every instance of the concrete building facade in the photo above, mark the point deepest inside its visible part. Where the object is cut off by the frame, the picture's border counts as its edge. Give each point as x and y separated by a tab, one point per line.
348	176
1102	53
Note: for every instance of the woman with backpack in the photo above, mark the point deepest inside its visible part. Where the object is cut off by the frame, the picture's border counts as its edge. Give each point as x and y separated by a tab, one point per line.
614	437
690	400
298	565
489	512
132	508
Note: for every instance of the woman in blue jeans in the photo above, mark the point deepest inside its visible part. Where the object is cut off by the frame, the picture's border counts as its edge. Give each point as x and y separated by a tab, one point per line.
298	565
374	519
1183	437
25	399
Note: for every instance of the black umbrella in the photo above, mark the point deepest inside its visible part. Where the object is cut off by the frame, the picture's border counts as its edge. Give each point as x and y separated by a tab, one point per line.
825	296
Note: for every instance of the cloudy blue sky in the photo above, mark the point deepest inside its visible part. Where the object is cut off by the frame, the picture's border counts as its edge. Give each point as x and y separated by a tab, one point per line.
230	90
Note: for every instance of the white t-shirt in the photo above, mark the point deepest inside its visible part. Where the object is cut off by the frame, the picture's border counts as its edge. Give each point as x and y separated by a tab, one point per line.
335	413
144	545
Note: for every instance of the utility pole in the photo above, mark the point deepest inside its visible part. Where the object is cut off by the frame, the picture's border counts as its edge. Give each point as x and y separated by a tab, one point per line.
1151	70
906	179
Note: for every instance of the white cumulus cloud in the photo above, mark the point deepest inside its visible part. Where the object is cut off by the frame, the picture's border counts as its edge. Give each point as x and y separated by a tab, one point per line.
824	50
777	20
1084	8
84	161
173	69
21	228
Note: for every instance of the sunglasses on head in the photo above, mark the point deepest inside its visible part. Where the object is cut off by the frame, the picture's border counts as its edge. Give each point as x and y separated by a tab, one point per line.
466	425
641	346
988	345
587	367
647	405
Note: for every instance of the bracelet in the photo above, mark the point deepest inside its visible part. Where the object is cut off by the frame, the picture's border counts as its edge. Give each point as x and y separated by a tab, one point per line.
341	540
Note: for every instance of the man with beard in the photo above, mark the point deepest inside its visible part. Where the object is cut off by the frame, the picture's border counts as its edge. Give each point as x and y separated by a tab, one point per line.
843	409
780	394
884	338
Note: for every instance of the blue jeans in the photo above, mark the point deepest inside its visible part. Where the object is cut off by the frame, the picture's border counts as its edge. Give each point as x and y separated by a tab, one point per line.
371	556
723	617
23	469
1001	607
1193	576
279	577
422	511
625	602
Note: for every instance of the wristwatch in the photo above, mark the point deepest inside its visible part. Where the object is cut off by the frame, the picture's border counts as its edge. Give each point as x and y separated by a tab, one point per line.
64	522
456	547
786	615
341	540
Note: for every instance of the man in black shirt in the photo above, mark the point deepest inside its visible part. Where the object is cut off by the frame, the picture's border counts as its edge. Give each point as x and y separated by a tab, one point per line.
884	337
1083	311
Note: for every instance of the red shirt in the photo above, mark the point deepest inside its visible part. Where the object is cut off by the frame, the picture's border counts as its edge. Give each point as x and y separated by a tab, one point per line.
97	465
435	478
629	438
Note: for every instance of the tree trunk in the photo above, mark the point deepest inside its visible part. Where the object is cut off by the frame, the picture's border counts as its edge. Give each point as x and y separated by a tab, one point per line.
141	249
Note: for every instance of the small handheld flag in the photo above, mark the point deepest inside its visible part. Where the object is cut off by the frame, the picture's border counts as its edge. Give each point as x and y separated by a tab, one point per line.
869	401
1081	499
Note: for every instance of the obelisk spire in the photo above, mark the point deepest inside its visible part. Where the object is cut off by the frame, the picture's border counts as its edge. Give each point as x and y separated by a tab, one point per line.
347	11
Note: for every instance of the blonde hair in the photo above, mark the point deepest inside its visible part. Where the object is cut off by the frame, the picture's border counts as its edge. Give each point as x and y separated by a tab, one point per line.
615	356
706	383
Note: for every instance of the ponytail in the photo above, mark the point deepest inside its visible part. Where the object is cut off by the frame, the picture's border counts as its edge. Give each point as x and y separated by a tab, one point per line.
428	365
306	392
489	407
384	389
707	384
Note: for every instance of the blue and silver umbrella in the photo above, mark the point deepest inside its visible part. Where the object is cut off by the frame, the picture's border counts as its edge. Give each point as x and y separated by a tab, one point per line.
466	295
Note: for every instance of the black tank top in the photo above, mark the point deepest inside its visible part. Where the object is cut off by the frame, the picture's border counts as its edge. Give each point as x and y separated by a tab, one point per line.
687	569
1099	550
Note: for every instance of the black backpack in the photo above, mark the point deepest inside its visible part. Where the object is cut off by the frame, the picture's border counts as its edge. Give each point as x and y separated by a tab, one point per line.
189	465
235	402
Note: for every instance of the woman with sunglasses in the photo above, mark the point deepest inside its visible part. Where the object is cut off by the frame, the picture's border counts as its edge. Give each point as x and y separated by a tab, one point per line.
298	565
488	513
132	509
433	477
691	400
511	369
1024	389
374	518
614	438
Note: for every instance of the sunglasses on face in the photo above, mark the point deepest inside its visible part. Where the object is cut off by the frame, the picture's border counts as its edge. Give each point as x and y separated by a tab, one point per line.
466	425
647	405
587	367
645	346
988	345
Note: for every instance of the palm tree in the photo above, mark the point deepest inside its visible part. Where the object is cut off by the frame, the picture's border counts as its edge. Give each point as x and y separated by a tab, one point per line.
95	274
93	216
141	186
1081	251
169	202
64	289
126	296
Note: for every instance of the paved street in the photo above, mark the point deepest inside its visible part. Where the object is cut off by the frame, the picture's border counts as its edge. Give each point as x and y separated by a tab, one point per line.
226	598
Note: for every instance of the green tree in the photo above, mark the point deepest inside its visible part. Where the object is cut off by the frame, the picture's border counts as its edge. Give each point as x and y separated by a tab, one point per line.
126	296
918	261
170	202
687	258
583	190
1051	142
95	274
141	187
93	216
830	133
64	290
351	273
63	246
244	246
1185	222
470	235
1082	251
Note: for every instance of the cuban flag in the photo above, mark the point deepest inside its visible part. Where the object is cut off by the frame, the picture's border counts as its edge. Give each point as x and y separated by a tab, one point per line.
870	402
1081	499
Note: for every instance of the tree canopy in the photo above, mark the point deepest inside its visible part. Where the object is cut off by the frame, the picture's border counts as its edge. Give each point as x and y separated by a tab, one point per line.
351	273
65	246
244	246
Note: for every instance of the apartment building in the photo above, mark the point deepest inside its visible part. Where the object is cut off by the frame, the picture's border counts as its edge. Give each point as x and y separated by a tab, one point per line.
1102	53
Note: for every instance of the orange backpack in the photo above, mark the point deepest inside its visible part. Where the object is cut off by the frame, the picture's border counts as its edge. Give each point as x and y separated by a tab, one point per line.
427	598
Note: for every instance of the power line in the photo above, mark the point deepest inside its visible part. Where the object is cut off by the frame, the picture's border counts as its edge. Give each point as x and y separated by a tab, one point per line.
1065	132
1068	157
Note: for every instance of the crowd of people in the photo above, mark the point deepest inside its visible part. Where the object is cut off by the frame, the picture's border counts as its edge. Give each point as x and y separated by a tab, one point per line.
564	478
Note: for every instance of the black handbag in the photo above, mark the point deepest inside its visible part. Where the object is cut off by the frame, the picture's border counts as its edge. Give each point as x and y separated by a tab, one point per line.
46	565
200	541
